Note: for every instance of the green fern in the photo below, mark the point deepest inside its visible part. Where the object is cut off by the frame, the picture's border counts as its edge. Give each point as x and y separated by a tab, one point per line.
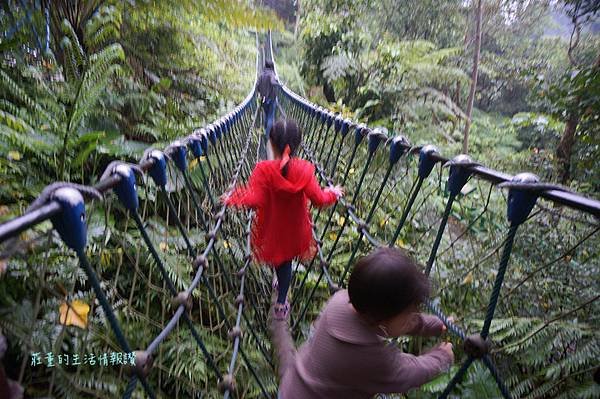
103	28
558	358
102	67
336	66
79	56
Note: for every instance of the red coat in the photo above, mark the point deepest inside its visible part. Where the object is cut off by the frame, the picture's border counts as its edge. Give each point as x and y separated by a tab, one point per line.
282	226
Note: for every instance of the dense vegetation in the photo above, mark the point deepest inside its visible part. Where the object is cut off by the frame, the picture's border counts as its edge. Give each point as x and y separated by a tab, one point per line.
90	81
409	68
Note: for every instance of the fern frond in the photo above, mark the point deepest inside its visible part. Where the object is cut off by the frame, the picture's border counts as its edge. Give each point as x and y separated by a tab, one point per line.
42	91
75	385
583	357
78	51
70	66
522	387
435	96
436	75
145	131
101	67
14	123
89	96
437	56
587	390
543	391
21	96
17	118
102	60
102	36
336	66
103	27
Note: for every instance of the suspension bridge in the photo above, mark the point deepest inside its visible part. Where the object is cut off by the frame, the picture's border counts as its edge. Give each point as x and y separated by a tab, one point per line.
199	268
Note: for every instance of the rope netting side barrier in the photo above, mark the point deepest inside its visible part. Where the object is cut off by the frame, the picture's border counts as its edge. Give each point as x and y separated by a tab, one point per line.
444	212
159	257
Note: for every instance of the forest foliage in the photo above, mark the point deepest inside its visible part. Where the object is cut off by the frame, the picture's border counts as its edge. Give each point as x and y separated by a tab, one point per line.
408	69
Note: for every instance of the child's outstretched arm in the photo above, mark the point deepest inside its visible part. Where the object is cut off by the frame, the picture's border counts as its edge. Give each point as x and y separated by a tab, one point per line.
427	326
249	196
405	371
319	197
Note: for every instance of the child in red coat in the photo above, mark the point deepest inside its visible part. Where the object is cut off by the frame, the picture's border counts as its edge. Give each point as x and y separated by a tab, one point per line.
279	191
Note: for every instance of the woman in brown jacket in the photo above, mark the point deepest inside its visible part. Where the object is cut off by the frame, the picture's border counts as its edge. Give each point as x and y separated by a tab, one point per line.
347	357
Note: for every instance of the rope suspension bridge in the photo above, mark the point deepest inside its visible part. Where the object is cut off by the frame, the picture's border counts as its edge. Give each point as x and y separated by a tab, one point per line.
199	268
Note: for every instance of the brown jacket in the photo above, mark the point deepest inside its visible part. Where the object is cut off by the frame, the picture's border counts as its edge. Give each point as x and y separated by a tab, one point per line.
347	359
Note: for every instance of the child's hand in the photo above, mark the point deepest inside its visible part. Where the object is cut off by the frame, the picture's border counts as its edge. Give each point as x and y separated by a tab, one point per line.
444	328
447	347
224	197
337	190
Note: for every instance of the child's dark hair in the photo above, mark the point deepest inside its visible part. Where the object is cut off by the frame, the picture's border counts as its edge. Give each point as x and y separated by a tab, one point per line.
385	283
269	65
285	132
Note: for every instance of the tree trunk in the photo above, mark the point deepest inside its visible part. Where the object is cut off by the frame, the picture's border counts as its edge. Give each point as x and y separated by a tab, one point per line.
297	22
328	92
565	146
465	147
456	98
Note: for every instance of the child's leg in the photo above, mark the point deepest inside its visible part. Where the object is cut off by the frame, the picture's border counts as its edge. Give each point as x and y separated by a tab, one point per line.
283	345
284	276
269	116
